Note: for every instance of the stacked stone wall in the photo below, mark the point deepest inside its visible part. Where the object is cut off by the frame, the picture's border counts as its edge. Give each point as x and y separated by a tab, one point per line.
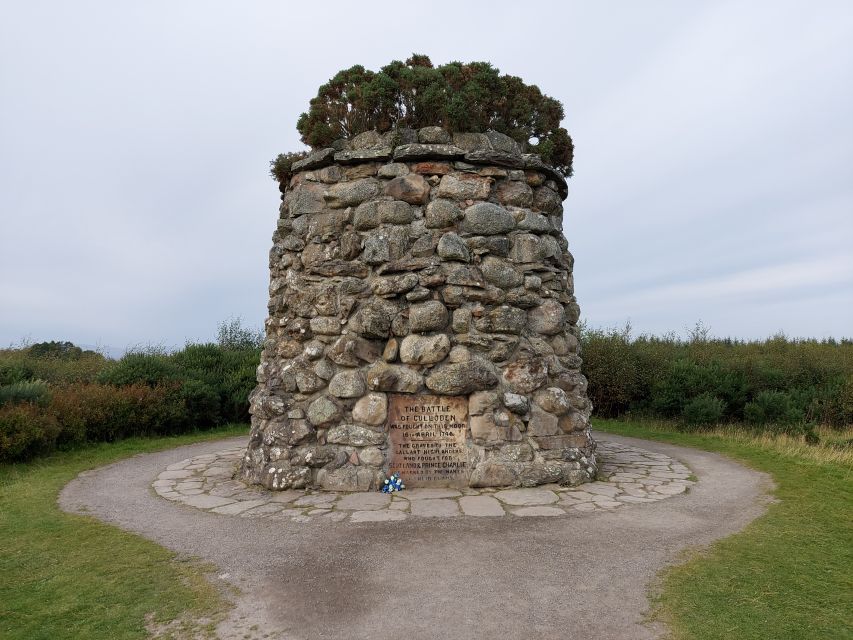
419	263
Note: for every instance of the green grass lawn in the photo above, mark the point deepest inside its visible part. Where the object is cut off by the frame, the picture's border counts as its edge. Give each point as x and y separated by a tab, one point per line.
66	576
789	574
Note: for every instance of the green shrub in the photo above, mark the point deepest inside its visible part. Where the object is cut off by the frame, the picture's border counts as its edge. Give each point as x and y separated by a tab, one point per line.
237	387
13	372
659	376
280	167
201	402
95	412
470	97
231	335
34	391
65	350
55	365
26	430
149	368
772	407
610	364
703	410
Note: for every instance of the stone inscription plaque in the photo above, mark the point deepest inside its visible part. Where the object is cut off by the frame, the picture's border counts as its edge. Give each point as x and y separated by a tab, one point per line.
428	440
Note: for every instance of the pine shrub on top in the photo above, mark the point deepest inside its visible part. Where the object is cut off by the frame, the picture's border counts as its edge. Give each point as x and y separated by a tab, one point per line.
460	97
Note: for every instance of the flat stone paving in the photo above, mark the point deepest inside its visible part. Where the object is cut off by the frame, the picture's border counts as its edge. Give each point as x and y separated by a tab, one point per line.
628	475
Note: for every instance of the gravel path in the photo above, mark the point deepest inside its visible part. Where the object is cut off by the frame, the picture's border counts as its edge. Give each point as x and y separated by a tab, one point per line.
586	574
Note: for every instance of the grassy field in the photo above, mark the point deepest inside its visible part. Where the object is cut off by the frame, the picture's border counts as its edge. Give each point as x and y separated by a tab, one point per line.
66	576
789	574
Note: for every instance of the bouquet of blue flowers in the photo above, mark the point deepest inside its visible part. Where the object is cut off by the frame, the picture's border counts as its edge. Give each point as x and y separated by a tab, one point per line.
392	484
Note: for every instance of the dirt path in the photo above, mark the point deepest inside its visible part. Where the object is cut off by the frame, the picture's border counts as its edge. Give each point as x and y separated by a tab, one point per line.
512	577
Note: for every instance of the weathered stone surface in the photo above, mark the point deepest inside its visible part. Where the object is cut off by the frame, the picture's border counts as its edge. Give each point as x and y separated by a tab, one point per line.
304	199
465	186
432	168
527	247
428	316
482	402
373	319
492	473
547	200
471	141
461	378
452	247
481	506
354	435
371	456
525	376
393	170
501	273
371	409
503	319
350	194
437	508
417	151
323	412
386	377
314	160
492	157
394	285
516	403
441	213
553	400
360	155
395	212
497	245
526	497
424	349
487	219
364	501
326	326
352	351
513	193
433	135
347	384
411	188
542	423
548	318
535	222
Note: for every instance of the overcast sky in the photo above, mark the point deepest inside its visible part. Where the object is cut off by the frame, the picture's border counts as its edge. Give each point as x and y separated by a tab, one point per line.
713	166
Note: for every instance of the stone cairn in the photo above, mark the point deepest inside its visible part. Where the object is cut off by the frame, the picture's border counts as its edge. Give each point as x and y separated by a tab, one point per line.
424	264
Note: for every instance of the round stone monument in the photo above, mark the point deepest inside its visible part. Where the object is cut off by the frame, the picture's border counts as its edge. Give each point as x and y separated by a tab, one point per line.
422	320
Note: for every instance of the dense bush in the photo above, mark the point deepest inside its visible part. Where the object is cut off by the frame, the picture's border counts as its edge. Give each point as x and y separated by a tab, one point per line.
703	410
49	362
26	430
471	97
770	383
87	398
33	391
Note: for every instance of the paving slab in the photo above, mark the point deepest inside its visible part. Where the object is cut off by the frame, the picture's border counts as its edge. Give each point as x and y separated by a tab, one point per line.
481	506
527	497
436	508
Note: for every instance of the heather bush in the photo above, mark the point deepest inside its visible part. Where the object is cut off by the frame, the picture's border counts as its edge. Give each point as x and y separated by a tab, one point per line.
34	391
26	430
52	364
703	410
764	382
140	367
470	97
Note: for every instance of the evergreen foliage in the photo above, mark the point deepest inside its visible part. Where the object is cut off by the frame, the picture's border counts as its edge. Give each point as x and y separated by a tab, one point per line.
460	97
